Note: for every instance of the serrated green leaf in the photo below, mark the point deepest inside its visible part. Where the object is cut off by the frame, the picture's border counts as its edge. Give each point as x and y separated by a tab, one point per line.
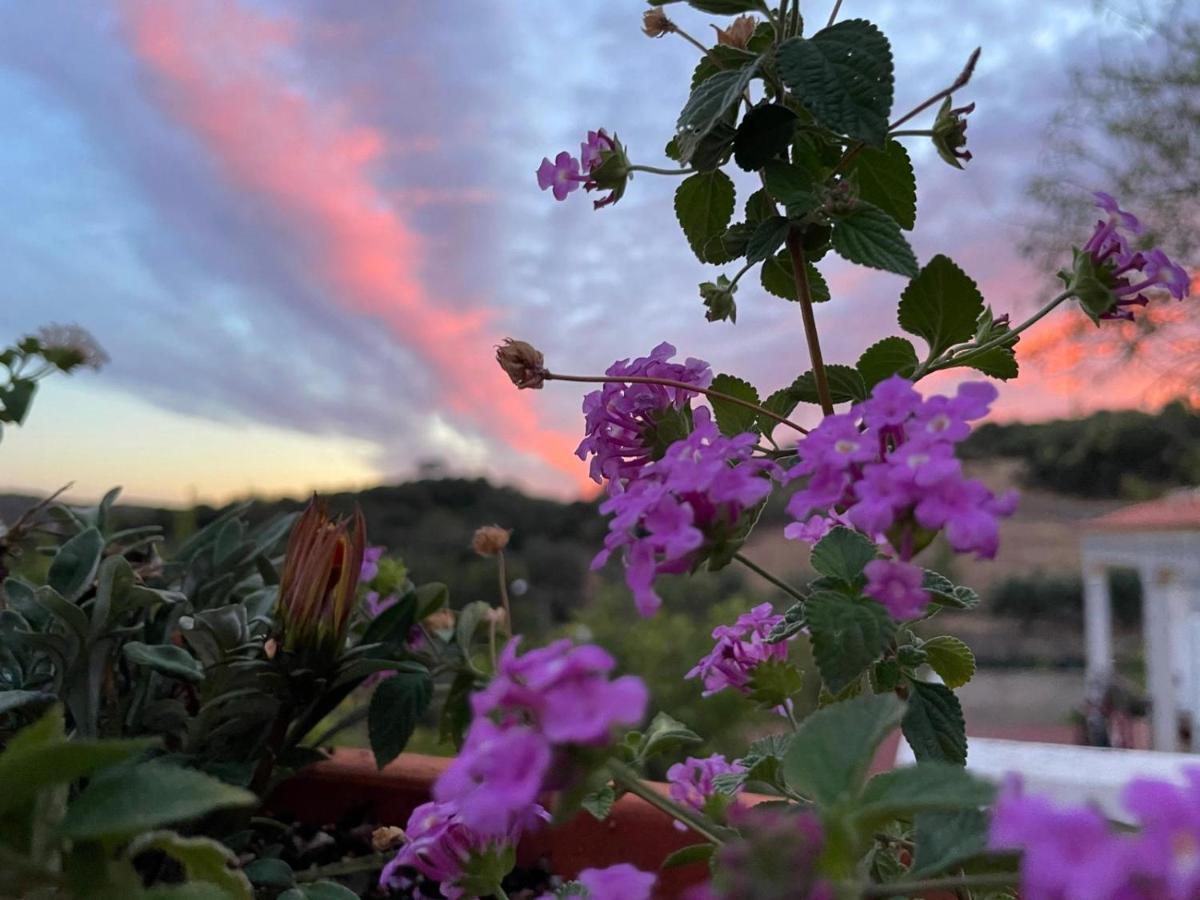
845	385
729	244
130	799
951	659
842	554
848	636
74	565
933	724
721	58
397	705
768	236
883	359
759	206
704	205
166	659
765	132
781	402
941	305
999	362
946	839
828	758
885	179
843	76
790	185
870	237
776	279
733	418
944	592
664	734
599	803
202	859
774	681
925	787
686	856
709	102
15	400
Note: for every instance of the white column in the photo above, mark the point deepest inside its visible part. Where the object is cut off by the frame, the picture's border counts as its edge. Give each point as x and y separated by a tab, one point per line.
1097	621
1156	608
1185	597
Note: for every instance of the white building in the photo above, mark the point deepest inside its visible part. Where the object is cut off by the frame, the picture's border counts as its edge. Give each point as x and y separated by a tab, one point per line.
1161	541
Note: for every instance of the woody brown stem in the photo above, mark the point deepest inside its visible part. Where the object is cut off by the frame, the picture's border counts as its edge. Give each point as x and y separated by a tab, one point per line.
804	298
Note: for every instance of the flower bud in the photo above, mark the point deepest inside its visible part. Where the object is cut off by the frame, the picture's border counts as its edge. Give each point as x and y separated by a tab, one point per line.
655	23
522	362
950	133
738	33
718	297
490	540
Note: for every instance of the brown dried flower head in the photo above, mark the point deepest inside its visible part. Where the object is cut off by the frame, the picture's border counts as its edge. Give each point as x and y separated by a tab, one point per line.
490	540
738	33
522	362
655	23
387	837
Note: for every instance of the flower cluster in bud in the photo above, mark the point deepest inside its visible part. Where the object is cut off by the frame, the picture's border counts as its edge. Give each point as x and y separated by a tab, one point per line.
602	166
684	507
950	133
1110	278
321	569
739	650
888	469
622	421
693	783
1075	852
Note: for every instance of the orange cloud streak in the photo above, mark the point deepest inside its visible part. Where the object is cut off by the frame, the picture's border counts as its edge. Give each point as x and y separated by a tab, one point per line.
214	61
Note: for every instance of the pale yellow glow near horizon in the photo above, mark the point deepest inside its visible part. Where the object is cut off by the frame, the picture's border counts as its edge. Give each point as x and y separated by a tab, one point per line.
99	437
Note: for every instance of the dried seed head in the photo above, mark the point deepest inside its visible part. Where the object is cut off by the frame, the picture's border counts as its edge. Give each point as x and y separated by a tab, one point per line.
522	362
387	838
655	23
738	33
490	540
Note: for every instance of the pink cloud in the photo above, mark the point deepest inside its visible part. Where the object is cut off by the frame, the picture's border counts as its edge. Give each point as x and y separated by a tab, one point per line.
216	64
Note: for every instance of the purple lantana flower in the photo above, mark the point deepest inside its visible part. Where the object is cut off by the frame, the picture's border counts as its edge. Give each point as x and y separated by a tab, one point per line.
740	649
620	419
887	468
692	783
602	165
620	881
680	506
370	563
1110	277
561	176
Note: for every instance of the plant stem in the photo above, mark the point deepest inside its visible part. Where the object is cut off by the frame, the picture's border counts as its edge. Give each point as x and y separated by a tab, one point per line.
670	382
908	888
499	894
655	170
502	571
760	571
837	7
345	867
804	296
913	132
963	77
691	40
628	779
351	718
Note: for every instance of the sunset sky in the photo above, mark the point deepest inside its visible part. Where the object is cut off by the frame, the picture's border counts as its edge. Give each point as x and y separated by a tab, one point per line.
298	228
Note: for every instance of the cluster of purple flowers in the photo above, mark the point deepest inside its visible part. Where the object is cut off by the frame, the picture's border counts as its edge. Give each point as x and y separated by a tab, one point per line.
621	880
1075	852
1111	254
695	494
370	563
566	173
887	468
692	782
537	708
618	418
740	648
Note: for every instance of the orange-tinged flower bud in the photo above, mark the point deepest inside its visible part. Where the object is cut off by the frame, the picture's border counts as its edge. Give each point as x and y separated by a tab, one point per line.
319	581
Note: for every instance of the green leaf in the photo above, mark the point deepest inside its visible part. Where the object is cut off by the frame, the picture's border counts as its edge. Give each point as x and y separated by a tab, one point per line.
166	659
845	385
828	758
203	859
759	206
25	771
925	787
709	102
946	839
392	626
10	700
999	362
130	799
774	681
396	707
114	581
776	278
843	75
733	418
729	244
883	359
318	890
944	592
847	636
686	856
270	872
456	711
951	659
842	554
765	133
941	305
664	735
781	402
16	399
469	618
885	179
704	206
790	185
768	236
599	803
933	724
870	237
75	564
67	612
723	7
430	598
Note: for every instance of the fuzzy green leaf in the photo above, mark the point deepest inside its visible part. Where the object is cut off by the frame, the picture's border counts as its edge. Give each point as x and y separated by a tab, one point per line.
883	359
941	305
951	659
765	132
870	237
925	787
75	564
166	659
847	636
396	707
776	279
934	725
845	385
768	235
704	206
885	179
709	102
842	554
733	418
